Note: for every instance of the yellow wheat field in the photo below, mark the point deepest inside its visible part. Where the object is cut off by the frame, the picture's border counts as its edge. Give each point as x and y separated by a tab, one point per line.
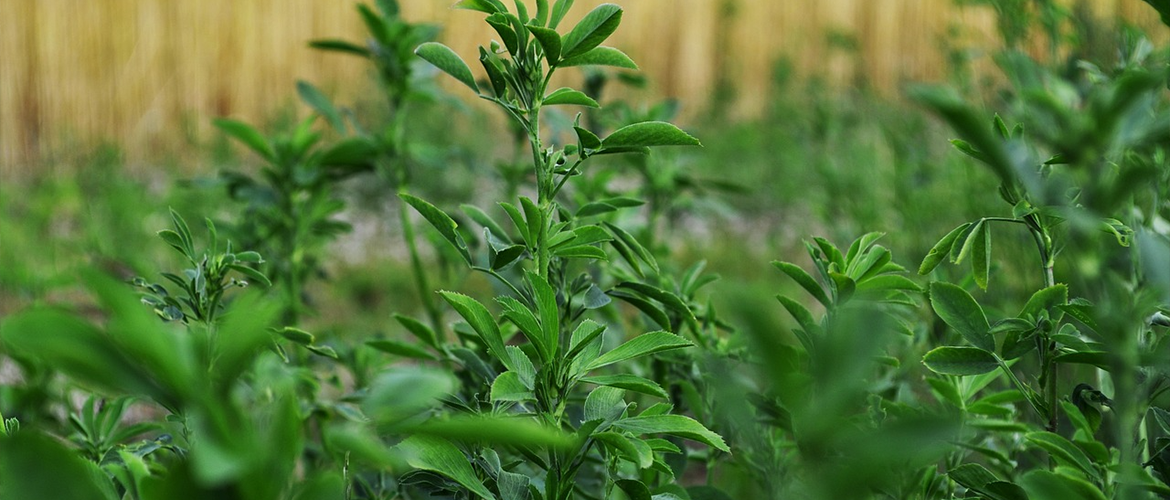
145	73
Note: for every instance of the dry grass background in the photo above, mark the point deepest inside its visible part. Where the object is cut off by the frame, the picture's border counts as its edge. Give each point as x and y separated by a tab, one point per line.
148	74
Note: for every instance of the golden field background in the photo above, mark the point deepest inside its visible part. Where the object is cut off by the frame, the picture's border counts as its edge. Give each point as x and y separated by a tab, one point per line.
150	74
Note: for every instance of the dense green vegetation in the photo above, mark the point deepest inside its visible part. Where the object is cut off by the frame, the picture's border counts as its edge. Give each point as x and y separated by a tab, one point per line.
405	298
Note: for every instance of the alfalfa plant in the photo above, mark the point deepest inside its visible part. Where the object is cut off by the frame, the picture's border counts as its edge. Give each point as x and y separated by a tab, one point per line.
1086	179
292	203
203	286
541	374
831	407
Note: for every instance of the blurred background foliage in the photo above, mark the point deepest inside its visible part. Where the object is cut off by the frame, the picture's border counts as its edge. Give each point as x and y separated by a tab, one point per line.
107	108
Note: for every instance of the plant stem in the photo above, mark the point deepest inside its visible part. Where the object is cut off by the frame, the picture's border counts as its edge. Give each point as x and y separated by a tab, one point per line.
1048	364
544	189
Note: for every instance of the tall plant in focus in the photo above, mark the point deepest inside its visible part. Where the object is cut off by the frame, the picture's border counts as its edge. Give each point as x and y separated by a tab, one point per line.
534	362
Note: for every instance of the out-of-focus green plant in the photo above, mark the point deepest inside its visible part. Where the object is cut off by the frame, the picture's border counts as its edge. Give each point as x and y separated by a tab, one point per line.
827	415
291	205
390	49
1084	174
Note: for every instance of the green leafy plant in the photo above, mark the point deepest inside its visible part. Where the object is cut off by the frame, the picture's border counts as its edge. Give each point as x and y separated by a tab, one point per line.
291	207
829	407
203	286
540	375
1082	183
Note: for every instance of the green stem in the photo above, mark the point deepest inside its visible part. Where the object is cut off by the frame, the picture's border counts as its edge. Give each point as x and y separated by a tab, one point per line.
544	189
1050	395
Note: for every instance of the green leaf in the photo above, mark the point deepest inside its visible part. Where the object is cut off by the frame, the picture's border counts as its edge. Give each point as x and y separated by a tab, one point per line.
981	255
955	110
249	257
583	335
805	280
565	95
529	325
633	449
441	222
495	72
317	100
631	244
1123	233
630	383
80	350
634	489
1045	485
946	390
509	387
605	404
941	250
651	310
541	12
972	476
546	307
502	23
480	5
399	393
251	274
646	134
482	218
965	243
587	139
960	360
675	425
647	343
323	350
440	456
668	299
340	46
482	322
1064	451
802	316
607	205
418	329
593	29
174	240
958	309
518	221
560	8
600	56
246	134
1044	300
400	348
515	431
296	335
550	41
33	466
889	282
447	60
1004	490
534	217
355	154
1100	359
